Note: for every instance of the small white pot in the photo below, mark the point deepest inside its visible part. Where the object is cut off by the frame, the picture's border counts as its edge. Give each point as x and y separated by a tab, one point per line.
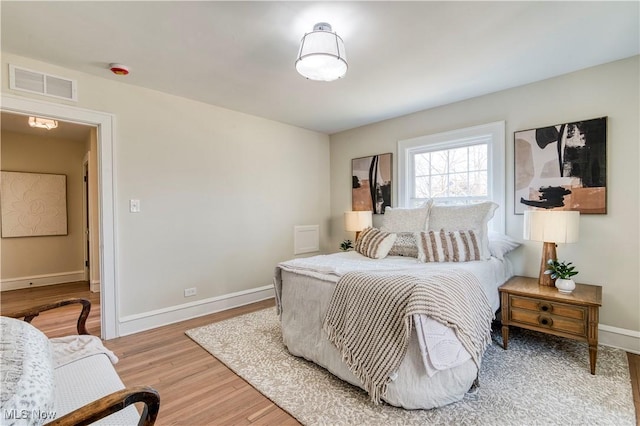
565	285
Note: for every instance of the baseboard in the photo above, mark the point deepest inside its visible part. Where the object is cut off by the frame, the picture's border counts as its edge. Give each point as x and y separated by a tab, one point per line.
140	322
95	286
41	280
620	338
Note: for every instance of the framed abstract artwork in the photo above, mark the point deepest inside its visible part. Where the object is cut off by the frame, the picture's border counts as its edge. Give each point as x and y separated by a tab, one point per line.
371	183
33	204
562	167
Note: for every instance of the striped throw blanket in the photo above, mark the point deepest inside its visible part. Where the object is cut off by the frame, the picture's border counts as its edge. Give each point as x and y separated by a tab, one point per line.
370	318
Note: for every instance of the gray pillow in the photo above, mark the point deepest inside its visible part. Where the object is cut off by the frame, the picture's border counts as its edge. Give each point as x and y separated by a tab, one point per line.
405	245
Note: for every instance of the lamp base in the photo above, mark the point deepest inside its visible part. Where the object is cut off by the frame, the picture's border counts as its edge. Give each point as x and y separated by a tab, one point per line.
548	252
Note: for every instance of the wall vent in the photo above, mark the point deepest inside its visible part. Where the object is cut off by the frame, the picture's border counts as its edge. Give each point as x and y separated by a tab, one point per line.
42	84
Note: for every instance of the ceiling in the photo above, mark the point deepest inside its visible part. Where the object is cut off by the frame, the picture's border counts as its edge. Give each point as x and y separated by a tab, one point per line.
403	56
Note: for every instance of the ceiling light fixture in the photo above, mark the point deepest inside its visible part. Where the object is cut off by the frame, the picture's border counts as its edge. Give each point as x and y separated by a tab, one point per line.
322	56
43	123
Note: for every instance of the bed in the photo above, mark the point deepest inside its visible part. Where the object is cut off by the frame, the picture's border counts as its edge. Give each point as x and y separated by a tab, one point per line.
304	290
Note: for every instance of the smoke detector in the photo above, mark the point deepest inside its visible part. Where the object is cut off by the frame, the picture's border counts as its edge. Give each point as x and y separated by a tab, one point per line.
119	69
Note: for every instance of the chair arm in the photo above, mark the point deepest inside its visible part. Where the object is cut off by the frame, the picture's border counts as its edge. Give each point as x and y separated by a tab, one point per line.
30	313
112	403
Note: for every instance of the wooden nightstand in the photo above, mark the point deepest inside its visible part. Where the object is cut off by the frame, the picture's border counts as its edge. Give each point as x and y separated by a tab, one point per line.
526	304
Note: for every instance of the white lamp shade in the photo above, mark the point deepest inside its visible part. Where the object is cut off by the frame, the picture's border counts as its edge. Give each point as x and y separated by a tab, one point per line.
322	56
357	221
553	226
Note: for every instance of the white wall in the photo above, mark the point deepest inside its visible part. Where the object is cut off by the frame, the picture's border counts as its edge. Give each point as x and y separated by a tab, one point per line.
220	191
608	252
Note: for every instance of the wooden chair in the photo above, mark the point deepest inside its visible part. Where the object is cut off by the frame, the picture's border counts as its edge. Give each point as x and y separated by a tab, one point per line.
110	403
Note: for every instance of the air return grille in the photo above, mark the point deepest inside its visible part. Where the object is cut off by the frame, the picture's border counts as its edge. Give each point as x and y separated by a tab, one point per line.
42	84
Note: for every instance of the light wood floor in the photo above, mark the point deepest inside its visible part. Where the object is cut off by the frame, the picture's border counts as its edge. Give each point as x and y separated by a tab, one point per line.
195	388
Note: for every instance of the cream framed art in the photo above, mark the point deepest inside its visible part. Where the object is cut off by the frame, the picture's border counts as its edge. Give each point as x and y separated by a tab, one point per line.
33	204
562	167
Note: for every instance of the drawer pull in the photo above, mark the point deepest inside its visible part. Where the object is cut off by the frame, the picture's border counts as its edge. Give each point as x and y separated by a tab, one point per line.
545	321
545	307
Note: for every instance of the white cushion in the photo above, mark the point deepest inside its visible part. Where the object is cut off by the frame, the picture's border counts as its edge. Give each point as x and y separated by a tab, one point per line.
406	220
26	371
471	216
501	244
88	379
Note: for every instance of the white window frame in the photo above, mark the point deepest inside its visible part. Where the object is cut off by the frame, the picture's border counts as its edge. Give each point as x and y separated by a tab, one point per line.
492	133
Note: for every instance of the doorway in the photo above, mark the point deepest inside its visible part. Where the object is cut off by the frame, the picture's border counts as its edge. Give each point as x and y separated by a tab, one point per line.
103	122
35	157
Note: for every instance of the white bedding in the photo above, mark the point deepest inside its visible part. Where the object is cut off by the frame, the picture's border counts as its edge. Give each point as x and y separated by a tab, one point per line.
444	360
492	273
439	346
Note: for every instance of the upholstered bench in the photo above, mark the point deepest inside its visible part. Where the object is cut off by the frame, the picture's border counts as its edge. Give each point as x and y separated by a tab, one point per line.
68	381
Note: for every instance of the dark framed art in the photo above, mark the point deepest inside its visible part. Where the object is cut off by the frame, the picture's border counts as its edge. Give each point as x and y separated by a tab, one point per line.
371	183
562	167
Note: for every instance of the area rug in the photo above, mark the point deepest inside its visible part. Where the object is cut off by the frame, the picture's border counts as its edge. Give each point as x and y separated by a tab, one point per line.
540	380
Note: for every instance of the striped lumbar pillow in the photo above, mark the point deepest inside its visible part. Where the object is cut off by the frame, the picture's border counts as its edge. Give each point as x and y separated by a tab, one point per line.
374	243
448	246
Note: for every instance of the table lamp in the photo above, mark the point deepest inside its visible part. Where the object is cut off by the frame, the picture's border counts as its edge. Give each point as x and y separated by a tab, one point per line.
550	227
357	221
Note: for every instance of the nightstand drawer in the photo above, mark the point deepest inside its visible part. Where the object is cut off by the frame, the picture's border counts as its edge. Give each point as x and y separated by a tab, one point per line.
548	321
526	304
578	313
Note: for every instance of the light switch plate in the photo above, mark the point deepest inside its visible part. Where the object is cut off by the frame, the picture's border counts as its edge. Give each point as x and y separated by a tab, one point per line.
134	206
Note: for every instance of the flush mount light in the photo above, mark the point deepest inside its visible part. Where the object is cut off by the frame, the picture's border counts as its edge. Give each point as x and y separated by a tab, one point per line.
43	123
322	56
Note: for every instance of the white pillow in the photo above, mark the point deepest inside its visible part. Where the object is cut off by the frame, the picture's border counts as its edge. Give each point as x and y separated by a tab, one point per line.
470	216
28	374
448	246
500	244
374	243
406	220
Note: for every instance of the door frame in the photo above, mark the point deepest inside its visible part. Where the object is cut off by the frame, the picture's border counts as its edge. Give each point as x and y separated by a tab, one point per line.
104	122
85	218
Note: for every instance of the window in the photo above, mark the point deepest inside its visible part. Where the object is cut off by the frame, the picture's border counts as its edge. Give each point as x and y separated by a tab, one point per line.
458	167
456	175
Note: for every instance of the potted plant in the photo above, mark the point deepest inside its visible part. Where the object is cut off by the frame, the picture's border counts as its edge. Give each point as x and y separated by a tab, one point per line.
562	273
346	245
